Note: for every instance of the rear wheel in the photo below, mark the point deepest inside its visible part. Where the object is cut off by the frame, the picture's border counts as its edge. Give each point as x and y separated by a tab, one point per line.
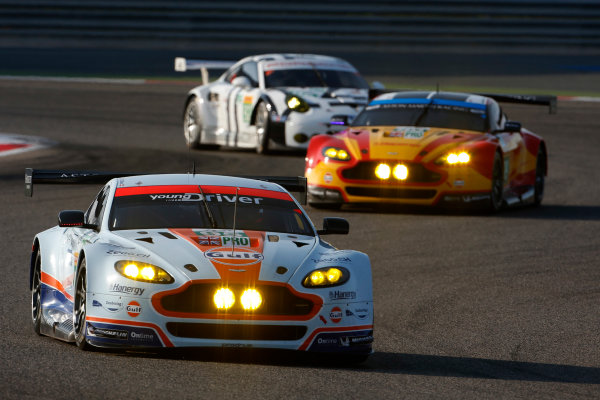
263	117
540	175
496	200
80	311
36	295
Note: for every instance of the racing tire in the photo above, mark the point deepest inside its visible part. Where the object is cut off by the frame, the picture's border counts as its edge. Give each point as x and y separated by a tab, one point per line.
80	307
263	118
496	194
540	176
192	127
36	295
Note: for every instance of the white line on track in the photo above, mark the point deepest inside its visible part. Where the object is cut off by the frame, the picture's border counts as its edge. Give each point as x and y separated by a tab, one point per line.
11	143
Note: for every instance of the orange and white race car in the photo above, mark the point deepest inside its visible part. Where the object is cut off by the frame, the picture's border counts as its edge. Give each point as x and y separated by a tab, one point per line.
430	148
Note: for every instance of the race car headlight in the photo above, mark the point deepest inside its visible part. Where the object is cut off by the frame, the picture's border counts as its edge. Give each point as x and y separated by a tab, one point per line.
251	299
383	171
296	103
325	277
143	272
457	158
336	153
224	298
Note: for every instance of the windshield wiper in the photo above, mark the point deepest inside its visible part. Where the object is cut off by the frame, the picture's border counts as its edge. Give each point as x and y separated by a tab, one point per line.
318	75
422	114
207	209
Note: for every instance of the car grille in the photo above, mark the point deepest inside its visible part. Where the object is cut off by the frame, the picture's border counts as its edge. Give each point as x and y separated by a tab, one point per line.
236	332
198	299
365	171
395	192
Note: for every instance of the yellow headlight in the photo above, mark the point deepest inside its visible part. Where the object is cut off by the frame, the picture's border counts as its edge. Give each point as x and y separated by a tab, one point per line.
333	275
224	298
383	171
317	278
293	102
148	273
456	158
400	172
251	299
343	155
131	270
331	152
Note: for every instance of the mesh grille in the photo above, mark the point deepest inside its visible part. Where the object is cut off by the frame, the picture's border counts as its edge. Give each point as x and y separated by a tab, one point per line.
365	171
236	332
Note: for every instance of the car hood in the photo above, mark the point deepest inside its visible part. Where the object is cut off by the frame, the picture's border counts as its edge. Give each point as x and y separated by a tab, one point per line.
209	254
404	142
323	94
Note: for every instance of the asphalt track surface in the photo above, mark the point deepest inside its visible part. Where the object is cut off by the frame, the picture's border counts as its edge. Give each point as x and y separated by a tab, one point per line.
466	306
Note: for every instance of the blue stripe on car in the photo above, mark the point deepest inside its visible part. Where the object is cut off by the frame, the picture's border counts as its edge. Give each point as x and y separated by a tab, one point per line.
442	102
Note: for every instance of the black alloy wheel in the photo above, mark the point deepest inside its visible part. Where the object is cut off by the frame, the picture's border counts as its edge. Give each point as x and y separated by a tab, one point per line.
79	311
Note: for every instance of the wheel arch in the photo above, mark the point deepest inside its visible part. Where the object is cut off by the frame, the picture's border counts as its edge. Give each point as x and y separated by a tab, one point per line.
35	248
264	98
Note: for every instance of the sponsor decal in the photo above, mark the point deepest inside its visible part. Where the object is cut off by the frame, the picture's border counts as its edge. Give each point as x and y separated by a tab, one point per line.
142	336
219	198
126	253
407	132
335	315
459	183
331	260
109	305
134	309
108	333
209	240
126	289
329	340
340	295
225	255
358	312
355	340
247	109
328	178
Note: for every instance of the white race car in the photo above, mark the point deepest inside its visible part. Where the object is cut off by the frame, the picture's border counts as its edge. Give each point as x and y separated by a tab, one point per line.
272	101
198	261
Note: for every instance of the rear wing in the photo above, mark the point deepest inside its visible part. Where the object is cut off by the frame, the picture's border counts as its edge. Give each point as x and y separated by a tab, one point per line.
296	185
182	65
549	101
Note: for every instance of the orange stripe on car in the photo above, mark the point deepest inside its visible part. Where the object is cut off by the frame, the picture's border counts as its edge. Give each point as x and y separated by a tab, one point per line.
55	283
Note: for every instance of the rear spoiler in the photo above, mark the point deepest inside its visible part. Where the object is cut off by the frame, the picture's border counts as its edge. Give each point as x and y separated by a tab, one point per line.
549	101
293	184
182	65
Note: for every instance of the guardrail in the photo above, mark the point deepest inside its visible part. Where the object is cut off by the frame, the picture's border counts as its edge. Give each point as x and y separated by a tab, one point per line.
377	25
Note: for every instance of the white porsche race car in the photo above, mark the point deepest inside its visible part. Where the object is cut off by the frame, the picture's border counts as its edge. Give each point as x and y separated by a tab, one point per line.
197	261
272	101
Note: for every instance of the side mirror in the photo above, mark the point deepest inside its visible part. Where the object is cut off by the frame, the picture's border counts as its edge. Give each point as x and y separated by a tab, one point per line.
71	218
334	226
512	126
241	81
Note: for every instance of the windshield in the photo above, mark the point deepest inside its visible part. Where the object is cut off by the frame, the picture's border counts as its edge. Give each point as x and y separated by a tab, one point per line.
314	78
183	206
438	113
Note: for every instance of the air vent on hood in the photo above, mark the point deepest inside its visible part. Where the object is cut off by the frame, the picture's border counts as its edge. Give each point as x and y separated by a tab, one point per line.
147	240
168	235
299	244
190	267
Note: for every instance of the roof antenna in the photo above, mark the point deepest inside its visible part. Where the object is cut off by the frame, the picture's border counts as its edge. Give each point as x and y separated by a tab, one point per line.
193	168
234	216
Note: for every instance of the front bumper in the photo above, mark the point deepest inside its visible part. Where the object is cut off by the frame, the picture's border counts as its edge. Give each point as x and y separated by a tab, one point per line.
327	184
334	327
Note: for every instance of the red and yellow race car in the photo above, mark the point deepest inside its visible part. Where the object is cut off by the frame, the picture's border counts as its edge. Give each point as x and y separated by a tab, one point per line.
430	148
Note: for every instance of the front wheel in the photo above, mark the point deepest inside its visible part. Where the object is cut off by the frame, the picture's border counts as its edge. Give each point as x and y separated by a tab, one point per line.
80	311
496	195
263	118
36	295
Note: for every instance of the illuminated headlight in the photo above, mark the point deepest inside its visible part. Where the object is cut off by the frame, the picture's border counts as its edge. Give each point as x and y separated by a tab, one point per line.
224	298
251	299
336	153
458	158
400	172
296	103
383	171
328	276
143	272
